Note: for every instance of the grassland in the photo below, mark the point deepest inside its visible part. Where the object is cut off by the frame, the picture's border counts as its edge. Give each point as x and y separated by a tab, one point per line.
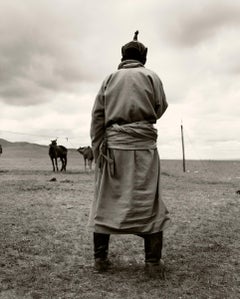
46	250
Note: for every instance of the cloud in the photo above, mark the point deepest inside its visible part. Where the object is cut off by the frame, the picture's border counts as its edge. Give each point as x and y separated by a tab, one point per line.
51	47
193	22
55	54
46	49
65	116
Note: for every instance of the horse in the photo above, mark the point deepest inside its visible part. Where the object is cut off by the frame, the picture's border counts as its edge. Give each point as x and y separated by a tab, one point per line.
55	152
87	153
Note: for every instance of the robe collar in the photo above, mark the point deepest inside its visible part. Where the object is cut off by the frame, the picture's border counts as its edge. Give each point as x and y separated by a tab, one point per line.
126	64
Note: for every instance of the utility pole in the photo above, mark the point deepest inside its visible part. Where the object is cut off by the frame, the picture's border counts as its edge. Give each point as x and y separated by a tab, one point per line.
183	149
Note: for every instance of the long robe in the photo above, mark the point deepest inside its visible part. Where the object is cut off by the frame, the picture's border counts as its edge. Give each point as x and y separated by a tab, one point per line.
127	196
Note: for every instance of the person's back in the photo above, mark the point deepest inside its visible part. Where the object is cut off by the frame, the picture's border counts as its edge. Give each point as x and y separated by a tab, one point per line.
127	198
131	93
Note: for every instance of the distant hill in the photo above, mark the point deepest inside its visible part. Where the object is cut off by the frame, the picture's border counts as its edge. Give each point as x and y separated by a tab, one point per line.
26	155
23	144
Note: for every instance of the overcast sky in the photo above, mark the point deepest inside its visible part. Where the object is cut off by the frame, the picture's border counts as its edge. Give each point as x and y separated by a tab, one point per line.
55	54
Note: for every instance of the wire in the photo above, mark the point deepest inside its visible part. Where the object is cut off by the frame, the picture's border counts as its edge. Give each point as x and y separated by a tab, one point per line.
26	134
42	135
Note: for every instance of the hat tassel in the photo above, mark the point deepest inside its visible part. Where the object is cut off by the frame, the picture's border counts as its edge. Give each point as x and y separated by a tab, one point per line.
135	36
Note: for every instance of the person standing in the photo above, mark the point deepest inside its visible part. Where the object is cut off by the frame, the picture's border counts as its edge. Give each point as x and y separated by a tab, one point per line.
127	198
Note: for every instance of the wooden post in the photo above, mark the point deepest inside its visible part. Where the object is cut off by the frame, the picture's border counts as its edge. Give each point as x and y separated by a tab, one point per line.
183	149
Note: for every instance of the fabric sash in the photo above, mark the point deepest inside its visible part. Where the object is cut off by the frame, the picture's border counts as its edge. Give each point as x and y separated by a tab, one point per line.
133	136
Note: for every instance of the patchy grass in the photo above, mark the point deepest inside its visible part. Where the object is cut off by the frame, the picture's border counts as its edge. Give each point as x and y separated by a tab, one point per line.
47	252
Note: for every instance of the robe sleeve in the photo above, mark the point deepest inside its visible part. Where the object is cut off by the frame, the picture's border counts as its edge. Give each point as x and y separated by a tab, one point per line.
161	101
98	122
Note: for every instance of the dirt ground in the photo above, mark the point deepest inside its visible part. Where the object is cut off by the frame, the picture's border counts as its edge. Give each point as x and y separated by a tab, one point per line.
46	250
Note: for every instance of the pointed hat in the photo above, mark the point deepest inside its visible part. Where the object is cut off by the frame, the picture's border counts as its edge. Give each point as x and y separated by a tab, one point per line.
134	50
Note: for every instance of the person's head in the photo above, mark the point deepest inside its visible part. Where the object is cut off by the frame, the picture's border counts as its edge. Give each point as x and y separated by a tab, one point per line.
134	50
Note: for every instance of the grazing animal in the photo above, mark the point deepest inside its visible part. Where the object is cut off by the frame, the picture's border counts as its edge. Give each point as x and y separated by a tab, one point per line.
55	152
87	153
1	149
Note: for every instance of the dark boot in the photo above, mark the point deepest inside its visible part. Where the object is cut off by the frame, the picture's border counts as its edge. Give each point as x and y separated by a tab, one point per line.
154	265
155	270
101	243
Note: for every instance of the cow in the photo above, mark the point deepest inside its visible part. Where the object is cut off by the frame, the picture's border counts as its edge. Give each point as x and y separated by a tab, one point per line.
87	153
